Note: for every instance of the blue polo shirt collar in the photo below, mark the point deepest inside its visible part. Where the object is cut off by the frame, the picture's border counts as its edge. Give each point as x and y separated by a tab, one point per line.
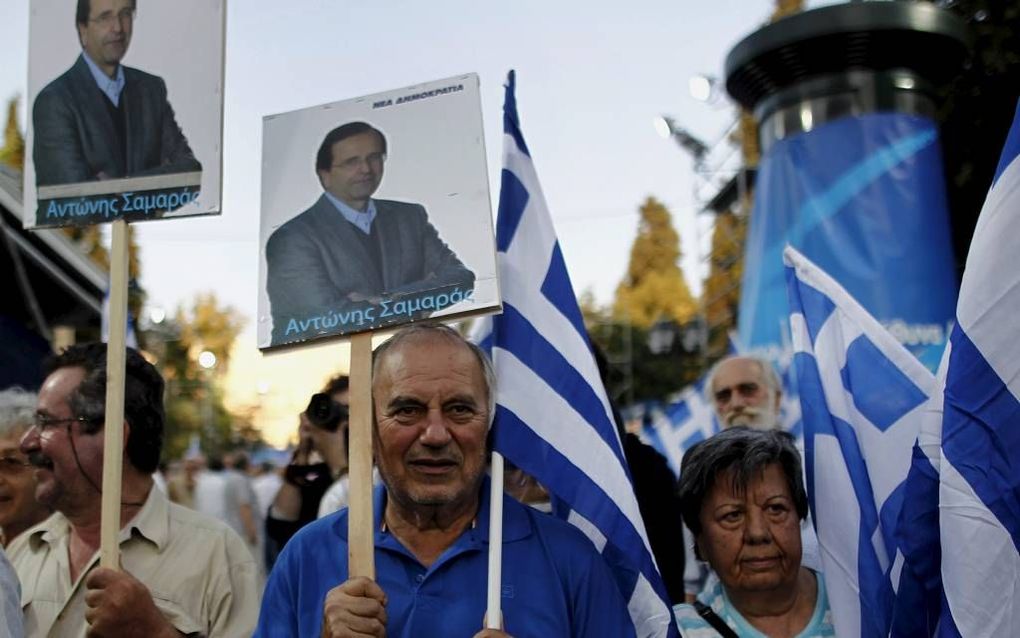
516	526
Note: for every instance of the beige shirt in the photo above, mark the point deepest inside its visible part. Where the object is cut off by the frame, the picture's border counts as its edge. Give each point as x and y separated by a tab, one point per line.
200	574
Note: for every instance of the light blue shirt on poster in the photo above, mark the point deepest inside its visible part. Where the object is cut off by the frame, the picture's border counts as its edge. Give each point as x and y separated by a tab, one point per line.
362	219
111	87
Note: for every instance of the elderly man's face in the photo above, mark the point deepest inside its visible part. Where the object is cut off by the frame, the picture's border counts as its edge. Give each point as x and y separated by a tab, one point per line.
357	169
742	397
431	409
752	540
107	34
59	449
18	507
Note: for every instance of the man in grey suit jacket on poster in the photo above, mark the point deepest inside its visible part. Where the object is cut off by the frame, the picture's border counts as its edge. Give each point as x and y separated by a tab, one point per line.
101	119
351	251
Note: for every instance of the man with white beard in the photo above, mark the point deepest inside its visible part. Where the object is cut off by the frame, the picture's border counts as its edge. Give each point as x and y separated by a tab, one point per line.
745	390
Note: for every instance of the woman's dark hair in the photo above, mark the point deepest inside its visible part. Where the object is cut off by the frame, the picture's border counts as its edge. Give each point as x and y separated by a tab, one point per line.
743	454
143	399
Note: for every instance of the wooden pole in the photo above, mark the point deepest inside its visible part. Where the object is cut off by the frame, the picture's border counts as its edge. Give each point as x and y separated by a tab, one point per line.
361	532
113	429
493	613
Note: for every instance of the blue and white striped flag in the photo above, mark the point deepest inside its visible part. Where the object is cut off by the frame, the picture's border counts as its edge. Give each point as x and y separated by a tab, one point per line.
104	324
918	603
553	418
686	421
862	396
789	404
691	418
979	493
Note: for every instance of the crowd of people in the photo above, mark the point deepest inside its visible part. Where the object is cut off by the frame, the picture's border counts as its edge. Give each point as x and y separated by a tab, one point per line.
213	546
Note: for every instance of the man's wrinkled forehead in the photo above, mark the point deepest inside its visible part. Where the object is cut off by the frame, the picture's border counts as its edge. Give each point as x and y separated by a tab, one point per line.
418	352
417	349
738	370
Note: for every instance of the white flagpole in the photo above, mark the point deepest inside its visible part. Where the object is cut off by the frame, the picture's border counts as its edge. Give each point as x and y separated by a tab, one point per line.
493	613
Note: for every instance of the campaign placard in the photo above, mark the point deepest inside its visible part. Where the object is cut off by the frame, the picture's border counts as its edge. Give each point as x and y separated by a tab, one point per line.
126	111
375	213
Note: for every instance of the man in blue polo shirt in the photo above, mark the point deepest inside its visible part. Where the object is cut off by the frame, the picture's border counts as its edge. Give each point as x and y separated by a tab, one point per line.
433	394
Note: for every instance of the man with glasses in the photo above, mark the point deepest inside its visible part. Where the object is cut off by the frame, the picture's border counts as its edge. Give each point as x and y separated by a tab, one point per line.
745	390
101	119
350	251
18	508
181	572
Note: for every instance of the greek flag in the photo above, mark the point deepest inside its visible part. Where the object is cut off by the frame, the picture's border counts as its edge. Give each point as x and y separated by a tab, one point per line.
691	418
979	486
686	421
789	404
553	418
104	324
863	396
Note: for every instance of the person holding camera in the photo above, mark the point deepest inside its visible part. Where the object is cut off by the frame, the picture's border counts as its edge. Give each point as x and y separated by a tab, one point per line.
319	460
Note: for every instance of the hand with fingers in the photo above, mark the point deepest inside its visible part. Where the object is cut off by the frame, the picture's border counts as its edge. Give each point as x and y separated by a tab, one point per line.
355	609
118	604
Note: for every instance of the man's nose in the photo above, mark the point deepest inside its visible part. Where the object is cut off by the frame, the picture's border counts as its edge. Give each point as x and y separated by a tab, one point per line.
737	400
436	433
29	440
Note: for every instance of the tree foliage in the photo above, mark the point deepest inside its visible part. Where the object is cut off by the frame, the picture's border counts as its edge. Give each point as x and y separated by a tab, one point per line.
194	398
722	286
976	110
90	241
13	151
654	287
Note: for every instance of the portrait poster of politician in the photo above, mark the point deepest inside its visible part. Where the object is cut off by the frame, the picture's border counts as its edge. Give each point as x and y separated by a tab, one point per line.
125	110
375	213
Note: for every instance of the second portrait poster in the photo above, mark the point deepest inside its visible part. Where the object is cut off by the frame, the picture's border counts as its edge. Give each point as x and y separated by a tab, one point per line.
375	213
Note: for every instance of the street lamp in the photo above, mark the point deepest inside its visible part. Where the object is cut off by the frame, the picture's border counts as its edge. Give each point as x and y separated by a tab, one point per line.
667	127
702	87
661	336
207	361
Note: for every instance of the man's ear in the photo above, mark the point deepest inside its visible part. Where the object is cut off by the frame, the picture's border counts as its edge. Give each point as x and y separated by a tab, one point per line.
779	400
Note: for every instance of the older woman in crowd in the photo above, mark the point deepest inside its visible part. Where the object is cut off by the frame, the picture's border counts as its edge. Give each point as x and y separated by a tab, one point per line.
743	499
18	507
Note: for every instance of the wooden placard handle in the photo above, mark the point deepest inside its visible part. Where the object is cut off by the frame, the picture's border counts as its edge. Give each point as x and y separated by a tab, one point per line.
113	429
361	530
